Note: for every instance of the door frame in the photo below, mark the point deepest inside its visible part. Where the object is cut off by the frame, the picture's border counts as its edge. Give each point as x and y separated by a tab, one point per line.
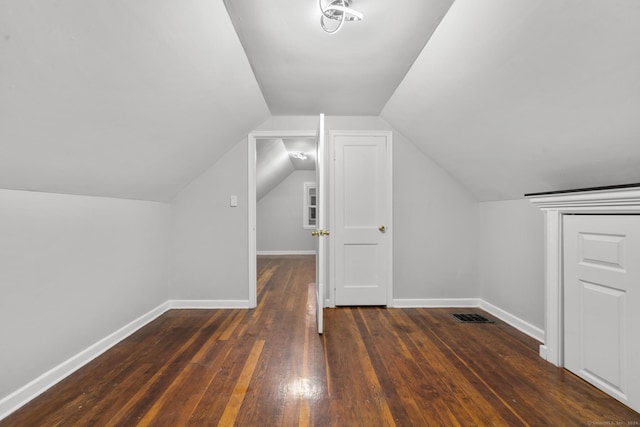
332	203
624	200
252	203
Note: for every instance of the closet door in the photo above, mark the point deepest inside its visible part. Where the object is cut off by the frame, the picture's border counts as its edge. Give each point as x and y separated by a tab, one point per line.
602	302
362	218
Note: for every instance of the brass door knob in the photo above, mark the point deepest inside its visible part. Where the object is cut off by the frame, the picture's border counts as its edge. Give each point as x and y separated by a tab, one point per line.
315	233
382	228
324	232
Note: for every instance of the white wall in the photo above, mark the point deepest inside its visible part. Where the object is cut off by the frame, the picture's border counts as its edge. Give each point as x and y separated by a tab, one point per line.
435	220
435	237
210	238
74	269
511	258
279	221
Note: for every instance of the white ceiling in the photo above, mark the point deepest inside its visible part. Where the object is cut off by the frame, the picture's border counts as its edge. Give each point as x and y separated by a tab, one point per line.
304	71
304	146
136	98
274	161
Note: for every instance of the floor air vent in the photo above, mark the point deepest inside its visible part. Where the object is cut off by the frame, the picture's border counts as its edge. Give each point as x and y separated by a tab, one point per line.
470	318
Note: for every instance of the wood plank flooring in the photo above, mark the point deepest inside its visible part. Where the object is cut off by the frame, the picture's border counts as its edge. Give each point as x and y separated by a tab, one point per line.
269	367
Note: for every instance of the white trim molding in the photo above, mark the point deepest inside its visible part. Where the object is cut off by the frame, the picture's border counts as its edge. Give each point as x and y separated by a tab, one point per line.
623	199
207	304
26	393
612	200
436	303
521	325
252	139
516	322
310	252
48	379
31	390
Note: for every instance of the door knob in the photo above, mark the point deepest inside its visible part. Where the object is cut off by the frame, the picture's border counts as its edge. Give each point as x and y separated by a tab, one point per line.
382	228
324	232
315	233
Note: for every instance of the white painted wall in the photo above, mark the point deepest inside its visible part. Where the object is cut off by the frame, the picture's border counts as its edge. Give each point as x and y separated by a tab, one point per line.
210	240
331	123
511	258
435	237
279	221
435	220
77	268
74	269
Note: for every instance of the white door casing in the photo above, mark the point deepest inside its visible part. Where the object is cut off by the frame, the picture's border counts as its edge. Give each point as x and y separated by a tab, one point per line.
251	198
602	302
362	232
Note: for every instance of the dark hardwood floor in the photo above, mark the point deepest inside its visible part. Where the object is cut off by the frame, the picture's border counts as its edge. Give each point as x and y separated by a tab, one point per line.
269	367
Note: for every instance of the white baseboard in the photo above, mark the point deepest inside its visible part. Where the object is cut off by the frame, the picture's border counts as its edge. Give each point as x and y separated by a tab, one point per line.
436	303
207	304
45	381
286	252
516	322
28	392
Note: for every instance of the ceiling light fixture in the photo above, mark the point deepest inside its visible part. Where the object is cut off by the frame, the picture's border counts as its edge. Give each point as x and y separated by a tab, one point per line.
337	10
299	155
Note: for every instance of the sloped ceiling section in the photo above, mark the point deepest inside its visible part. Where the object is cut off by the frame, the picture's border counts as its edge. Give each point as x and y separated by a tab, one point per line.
273	165
274	161
120	98
306	147
513	97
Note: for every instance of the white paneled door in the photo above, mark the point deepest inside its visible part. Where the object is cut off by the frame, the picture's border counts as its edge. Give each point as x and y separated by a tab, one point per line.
362	217
602	302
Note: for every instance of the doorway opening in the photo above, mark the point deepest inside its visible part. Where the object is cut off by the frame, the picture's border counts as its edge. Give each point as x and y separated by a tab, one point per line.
282	169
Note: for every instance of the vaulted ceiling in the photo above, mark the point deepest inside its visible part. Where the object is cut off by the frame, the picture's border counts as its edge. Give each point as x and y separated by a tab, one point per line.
304	71
275	161
136	98
513	97
121	98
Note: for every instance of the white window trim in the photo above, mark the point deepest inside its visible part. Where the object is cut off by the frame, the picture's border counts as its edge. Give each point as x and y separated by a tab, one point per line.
305	205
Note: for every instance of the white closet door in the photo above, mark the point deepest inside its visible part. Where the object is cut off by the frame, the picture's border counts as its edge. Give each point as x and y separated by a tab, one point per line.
362	207
602	302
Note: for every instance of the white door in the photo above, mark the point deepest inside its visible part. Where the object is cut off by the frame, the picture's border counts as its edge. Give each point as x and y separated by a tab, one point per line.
320	231
362	215
602	302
